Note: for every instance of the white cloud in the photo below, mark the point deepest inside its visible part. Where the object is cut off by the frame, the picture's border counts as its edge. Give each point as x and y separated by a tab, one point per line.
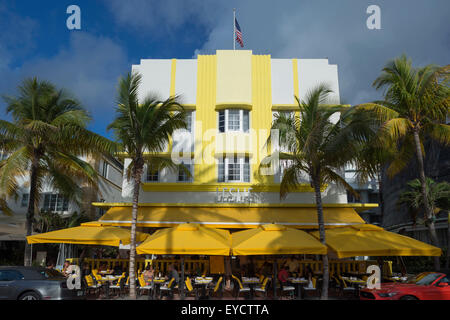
157	18
89	67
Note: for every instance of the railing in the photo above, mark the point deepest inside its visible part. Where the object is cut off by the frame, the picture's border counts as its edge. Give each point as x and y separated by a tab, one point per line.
161	265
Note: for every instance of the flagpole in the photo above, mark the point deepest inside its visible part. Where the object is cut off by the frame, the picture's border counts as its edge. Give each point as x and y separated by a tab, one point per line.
234	29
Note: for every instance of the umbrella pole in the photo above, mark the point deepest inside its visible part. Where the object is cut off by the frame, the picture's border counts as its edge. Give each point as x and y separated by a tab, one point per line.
181	285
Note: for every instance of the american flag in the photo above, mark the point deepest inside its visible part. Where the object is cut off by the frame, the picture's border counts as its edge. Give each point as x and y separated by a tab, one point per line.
238	33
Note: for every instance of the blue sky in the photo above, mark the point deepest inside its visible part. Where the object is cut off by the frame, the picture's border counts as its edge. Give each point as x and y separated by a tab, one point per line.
115	34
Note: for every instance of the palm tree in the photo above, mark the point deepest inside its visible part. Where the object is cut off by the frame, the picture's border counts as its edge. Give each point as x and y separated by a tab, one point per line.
143	130
44	142
415	106
438	195
371	159
320	148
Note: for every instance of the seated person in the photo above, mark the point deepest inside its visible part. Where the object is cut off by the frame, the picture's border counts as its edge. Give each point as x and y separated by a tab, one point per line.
197	271
283	275
148	274
69	268
102	267
86	270
173	273
117	269
293	265
308	274
50	265
251	268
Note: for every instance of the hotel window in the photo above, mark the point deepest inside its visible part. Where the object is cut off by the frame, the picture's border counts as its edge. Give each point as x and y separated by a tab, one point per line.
233	169
152	175
25	198
104	169
182	174
55	203
234	120
189	121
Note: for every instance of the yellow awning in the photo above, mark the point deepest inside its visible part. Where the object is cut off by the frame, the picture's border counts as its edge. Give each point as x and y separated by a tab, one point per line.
275	239
88	233
231	217
370	240
189	238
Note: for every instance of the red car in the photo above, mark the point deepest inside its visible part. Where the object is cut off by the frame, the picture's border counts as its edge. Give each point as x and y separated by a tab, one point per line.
425	286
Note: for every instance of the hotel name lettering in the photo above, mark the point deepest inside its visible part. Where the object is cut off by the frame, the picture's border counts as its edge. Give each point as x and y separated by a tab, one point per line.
234	195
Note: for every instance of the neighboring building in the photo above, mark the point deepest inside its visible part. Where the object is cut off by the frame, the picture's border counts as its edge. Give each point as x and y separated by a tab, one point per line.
368	193
110	190
232	98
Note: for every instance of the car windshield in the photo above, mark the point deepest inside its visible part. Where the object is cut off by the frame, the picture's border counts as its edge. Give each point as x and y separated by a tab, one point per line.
51	273
428	279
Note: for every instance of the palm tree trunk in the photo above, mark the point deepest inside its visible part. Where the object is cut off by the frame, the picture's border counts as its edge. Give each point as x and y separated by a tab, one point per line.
429	214
380	194
137	174
447	263
31	207
321	223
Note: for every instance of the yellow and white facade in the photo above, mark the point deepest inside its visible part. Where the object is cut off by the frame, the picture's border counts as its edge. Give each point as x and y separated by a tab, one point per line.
232	98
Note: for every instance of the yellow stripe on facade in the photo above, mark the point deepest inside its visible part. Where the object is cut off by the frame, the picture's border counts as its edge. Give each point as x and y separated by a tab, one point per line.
295	71
261	115
173	77
206	120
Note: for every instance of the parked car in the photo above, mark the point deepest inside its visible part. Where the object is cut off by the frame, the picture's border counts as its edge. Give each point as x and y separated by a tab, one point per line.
425	286
33	283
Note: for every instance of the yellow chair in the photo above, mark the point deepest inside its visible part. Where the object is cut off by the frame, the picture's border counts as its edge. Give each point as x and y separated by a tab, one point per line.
168	289
239	288
190	288
261	278
144	286
263	287
119	284
218	287
345	288
91	285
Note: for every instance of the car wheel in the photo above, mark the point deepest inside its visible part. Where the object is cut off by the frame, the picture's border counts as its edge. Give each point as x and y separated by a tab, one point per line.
408	298
30	296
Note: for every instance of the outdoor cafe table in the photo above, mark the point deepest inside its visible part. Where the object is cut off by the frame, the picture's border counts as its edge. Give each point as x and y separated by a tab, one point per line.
299	282
203	282
107	280
354	281
251	282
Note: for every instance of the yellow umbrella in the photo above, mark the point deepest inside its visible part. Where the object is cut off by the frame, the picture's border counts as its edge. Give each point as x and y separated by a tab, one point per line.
275	239
88	233
185	239
370	240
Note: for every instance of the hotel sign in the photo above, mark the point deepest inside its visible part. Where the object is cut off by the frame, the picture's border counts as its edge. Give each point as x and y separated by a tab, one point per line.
234	195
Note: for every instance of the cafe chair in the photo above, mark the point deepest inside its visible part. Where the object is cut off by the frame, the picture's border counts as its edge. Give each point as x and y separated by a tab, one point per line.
91	285
167	289
190	288
345	288
143	286
288	291
218	288
261	278
238	287
119	284
263	288
314	286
